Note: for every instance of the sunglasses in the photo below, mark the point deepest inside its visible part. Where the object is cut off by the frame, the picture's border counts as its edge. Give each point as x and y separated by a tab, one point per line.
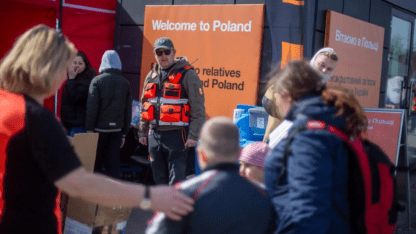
159	52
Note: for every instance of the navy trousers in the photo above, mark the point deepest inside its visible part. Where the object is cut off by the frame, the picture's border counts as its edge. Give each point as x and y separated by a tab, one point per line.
107	160
168	155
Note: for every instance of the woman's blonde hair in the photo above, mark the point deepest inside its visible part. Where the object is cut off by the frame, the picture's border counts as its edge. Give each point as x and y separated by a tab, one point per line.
37	57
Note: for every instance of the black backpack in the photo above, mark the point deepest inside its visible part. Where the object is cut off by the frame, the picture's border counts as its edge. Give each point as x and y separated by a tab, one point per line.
371	182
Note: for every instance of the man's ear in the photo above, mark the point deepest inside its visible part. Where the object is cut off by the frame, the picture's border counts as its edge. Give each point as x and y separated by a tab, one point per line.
202	157
201	154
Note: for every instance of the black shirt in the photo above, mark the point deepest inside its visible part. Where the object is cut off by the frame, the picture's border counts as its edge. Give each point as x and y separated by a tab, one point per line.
34	153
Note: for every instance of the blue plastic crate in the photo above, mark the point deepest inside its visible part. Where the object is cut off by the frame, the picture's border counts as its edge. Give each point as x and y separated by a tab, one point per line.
258	118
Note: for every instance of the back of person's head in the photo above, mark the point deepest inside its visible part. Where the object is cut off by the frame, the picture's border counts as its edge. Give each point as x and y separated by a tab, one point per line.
301	80
220	139
110	59
347	105
298	78
37	57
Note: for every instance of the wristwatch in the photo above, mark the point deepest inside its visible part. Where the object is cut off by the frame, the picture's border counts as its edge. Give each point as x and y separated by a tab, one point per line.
145	203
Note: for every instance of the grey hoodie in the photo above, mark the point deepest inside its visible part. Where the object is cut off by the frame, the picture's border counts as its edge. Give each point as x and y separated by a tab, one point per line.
110	60
109	101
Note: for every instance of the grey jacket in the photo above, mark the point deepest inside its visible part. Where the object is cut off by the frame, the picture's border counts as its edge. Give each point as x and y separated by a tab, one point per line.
109	104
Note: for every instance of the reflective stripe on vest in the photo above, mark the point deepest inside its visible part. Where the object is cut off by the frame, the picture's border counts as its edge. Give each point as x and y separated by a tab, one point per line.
173	101
162	123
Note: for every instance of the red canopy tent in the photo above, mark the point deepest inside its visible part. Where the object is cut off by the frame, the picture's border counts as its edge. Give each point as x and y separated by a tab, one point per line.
89	24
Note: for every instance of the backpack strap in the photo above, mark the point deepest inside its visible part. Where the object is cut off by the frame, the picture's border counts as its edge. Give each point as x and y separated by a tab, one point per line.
356	145
311	124
287	150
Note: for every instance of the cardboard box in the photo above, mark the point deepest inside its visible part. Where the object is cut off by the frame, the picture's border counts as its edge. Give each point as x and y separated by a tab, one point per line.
83	217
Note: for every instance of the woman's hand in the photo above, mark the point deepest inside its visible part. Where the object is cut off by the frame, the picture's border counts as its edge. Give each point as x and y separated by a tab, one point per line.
191	143
72	73
170	201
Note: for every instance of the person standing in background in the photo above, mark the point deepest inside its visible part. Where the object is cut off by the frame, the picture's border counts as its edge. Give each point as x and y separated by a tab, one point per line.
325	60
75	93
109	109
173	112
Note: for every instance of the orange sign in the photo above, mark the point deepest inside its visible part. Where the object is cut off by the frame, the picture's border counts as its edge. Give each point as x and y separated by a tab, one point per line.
384	129
294	2
225	40
359	46
290	52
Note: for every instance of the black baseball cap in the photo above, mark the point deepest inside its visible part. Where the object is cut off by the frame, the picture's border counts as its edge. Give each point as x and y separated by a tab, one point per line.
163	43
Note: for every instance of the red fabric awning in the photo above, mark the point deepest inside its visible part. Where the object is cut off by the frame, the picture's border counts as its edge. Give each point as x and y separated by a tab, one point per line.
38	3
89	24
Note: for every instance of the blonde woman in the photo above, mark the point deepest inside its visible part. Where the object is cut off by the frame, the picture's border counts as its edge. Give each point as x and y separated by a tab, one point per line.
36	158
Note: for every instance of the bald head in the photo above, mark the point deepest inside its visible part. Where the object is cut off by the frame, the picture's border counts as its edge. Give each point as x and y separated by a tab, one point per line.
220	138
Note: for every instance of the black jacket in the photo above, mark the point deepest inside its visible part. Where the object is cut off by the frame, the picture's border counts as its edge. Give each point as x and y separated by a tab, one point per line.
109	103
74	100
225	203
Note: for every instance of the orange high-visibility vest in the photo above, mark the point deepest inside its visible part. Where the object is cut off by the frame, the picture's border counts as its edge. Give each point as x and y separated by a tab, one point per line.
167	101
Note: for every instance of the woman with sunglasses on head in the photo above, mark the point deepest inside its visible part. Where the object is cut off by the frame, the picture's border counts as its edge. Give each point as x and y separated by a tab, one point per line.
75	93
305	185
36	158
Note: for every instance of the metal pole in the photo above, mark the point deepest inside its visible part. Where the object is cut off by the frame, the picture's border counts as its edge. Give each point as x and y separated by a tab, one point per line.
58	29
61	3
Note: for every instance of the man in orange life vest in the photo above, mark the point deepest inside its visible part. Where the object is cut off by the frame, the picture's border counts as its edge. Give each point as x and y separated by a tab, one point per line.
173	112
